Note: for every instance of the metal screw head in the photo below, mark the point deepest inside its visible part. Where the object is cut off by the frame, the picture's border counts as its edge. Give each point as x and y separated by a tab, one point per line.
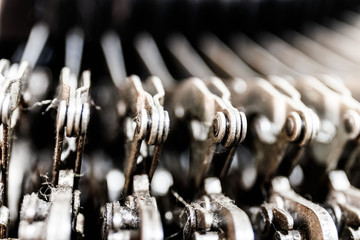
219	126
349	123
352	123
216	126
293	126
290	126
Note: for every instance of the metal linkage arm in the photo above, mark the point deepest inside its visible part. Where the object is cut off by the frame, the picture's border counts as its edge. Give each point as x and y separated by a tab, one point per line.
73	117
152	124
212	121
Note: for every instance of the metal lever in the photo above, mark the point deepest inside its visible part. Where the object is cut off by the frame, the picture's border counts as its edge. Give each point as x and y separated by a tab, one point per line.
340	117
212	121
224	58
192	62
335	63
271	221
59	216
73	117
293	122
344	199
291	56
74	48
250	52
186	55
279	106
331	60
335	41
284	121
150	54
337	109
316	221
331	99
231	219
35	44
302	63
213	216
111	45
139	218
12	81
220	213
151	120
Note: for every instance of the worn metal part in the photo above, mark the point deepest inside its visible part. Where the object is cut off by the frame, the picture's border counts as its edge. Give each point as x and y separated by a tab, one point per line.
214	215
337	143
346	198
339	115
73	112
230	219
56	218
150	55
146	126
283	120
315	220
192	62
337	111
58	215
250	52
329	97
151	126
335	63
229	125
289	122
187	57
333	40
35	43
291	235
212	121
32	217
138	219
12	80
12	83
224	58
73	50
269	218
195	218
291	56
111	45
150	223
72	118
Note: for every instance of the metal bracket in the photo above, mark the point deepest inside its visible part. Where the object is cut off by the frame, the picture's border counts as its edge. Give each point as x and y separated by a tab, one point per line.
152	123
73	117
212	121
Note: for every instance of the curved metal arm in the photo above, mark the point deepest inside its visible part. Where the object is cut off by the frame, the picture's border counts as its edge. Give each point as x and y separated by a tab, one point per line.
231	219
152	123
212	121
73	117
278	105
340	109
316	220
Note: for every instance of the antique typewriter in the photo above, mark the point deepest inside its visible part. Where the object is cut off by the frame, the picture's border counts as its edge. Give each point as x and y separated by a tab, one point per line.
180	119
